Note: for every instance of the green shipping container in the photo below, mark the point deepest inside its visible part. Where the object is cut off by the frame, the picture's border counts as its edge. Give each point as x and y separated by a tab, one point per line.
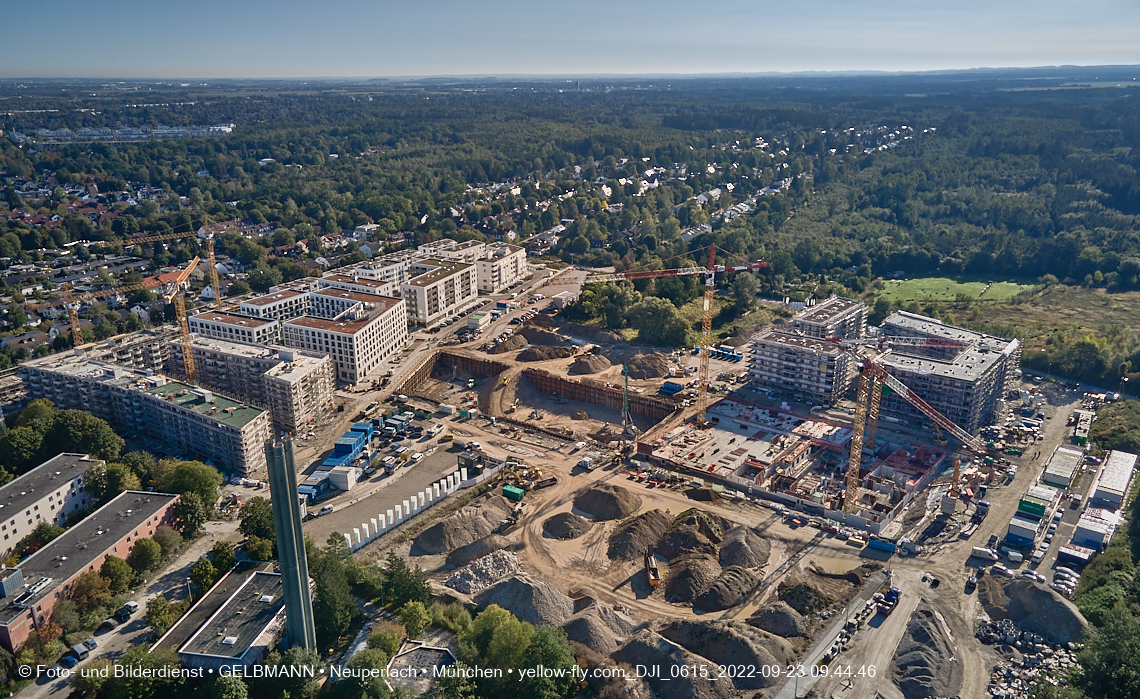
513	493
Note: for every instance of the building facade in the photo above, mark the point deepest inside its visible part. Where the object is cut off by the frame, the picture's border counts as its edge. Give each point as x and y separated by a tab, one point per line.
236	328
358	339
810	369
439	290
278	305
834	318
501	267
50	492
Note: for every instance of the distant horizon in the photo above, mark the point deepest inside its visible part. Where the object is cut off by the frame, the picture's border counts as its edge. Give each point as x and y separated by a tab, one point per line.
255	39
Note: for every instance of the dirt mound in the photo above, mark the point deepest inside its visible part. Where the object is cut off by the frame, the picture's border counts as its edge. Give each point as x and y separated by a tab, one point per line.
648	366
803	596
599	627
510	344
484	572
541	353
702	494
579	415
537	336
537	602
1033	607
466	525
606	502
634	536
742	335
779	618
653	650
588	364
690	577
729	589
693	532
476	550
541	321
744	547
920	668
604	337
731	643
566	525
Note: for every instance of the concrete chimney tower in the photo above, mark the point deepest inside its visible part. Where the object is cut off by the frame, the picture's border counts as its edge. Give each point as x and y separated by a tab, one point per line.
291	544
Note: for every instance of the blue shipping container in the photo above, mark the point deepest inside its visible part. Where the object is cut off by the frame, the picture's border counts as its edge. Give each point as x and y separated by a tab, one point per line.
882	545
365	427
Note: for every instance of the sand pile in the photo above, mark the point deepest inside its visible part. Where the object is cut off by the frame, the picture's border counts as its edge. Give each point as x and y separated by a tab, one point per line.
475	550
537	602
779	618
731	643
648	366
606	502
510	344
566	525
728	590
743	547
483	573
920	668
650	649
634	536
693	532
537	336
690	576
588	364
702	494
542	353
466	525
579	415
1033	607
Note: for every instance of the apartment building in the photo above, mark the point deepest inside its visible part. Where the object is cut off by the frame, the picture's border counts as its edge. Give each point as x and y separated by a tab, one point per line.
145	350
277	305
195	422
362	285
835	317
236	328
357	339
810	369
961	373
50	492
255	374
440	289
32	588
395	268
503	266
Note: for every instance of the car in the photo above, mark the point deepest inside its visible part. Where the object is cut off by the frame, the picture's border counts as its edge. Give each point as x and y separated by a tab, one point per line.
1049	538
68	662
124	613
109	624
388	460
1053	527
91	644
1063	590
324	510
972	582
1070	571
1062	575
1057	516
999	569
1038	556
417	456
992	540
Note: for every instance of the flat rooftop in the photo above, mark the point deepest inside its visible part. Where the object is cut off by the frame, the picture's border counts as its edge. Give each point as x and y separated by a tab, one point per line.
357	297
244	616
826	311
775	337
347	327
273	298
77	548
915	324
1065	461
444	269
968	365
231	319
1116	473
359	281
239	349
19	494
221	409
298	367
207	606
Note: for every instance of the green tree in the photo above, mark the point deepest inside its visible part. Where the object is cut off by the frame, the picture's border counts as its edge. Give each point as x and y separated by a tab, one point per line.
107	481
658	322
145	556
415	618
222	556
257	518
744	288
17	317
160	614
169	540
238	288
369	683
91	591
1110	661
259	549
387	636
190	515
333	606
90	684
190	477
228	687
20	448
141	463
66	614
118	574
401	584
79	431
203	574
549	648
157	674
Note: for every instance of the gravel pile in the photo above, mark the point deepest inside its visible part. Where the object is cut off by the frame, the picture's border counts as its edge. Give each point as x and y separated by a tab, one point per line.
510	344
690	577
466	525
1033	607
599	627
588	364
634	536
731	643
604	337
1028	656
542	353
920	668
537	336
606	502
579	415
693	532
648	366
483	573
534	601
730	588
650	649
779	618
743	547
566	525
476	550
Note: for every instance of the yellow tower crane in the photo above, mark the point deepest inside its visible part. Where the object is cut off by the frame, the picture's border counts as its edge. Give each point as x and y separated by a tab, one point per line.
174	293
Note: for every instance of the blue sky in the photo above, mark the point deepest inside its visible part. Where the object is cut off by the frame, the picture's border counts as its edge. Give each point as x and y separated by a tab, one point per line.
355	38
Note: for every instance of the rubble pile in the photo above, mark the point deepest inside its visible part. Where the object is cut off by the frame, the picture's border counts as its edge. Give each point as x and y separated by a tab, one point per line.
635	535
541	353
476	550
483	573
566	525
1029	656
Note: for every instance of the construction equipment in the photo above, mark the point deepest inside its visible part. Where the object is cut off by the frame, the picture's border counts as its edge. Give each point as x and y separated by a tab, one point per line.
651	570
174	293
710	271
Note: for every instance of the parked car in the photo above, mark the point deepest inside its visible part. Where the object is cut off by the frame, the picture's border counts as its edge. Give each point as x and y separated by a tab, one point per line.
109	624
68	662
91	644
324	510
126	611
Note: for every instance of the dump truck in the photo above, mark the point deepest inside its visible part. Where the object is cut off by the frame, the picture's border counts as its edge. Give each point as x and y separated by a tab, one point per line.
651	570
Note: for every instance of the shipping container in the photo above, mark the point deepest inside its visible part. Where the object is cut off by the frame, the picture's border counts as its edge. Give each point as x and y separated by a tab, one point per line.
512	493
882	545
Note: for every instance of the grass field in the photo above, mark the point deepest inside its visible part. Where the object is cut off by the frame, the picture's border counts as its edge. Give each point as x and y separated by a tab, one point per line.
1061	307
946	289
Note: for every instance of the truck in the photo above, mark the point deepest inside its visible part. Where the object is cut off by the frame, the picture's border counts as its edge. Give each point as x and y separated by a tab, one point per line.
671	387
651	570
890	601
882	544
982	552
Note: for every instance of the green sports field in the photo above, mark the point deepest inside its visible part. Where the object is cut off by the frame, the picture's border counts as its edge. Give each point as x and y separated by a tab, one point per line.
946	289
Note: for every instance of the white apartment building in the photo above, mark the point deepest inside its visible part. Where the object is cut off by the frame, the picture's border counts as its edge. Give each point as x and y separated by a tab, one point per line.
49	493
395	267
361	284
836	317
236	328
299	389
502	266
806	367
358	339
440	289
278	305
